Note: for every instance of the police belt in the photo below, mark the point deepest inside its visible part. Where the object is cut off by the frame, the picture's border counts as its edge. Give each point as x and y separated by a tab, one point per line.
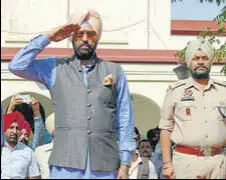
197	151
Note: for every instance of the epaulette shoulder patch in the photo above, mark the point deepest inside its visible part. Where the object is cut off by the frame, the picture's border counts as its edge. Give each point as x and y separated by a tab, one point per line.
221	83
177	84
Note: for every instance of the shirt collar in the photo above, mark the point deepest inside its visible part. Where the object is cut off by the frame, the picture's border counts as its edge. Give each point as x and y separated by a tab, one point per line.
191	83
6	145
94	61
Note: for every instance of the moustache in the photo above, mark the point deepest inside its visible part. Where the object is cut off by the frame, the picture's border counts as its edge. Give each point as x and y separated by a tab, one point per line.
13	136
85	44
201	67
145	151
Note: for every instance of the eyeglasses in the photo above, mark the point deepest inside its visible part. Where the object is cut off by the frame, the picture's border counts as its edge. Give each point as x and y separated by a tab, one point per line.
90	35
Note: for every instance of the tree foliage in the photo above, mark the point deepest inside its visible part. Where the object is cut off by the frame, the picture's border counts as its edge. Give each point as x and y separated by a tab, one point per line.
222	14
219	2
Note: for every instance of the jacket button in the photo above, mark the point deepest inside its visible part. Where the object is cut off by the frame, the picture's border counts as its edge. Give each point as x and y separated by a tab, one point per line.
88	105
89	118
88	132
88	90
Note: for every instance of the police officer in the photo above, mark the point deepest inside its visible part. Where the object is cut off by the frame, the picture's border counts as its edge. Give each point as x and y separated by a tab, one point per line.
194	118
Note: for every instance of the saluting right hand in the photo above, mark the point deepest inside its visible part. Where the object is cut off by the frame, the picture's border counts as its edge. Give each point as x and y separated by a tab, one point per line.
62	32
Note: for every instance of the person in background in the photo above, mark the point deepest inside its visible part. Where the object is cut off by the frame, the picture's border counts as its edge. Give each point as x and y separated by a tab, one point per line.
194	118
136	136
153	136
2	133
33	114
25	134
18	160
145	148
156	158
141	166
135	154
43	152
91	100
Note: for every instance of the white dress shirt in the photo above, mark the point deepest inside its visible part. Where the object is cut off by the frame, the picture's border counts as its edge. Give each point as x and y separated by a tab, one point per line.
42	154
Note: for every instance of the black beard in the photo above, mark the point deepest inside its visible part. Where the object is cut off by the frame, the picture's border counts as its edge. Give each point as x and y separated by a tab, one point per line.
200	76
84	54
196	75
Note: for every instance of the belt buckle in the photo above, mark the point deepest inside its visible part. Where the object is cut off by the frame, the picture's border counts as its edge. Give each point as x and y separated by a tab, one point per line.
207	151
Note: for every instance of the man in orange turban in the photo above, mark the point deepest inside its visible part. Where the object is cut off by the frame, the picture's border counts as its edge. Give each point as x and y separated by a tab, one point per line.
2	133
91	100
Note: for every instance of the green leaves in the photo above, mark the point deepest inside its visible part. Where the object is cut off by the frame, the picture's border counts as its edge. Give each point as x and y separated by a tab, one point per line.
223	70
222	15
219	2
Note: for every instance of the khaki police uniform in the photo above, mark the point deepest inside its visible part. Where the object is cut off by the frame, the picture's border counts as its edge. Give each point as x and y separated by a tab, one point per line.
196	118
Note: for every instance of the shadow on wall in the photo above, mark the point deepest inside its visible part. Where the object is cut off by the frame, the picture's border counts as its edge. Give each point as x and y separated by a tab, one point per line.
43	100
146	113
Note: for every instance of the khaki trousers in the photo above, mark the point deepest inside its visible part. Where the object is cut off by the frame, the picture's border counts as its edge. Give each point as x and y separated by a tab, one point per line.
190	166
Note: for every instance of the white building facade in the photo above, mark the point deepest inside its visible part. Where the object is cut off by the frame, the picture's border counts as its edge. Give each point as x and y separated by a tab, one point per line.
129	24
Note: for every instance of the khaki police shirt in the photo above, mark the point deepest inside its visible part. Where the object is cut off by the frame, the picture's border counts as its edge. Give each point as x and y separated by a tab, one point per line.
192	114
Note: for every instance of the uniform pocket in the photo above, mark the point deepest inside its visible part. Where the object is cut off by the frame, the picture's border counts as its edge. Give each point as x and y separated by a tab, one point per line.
184	112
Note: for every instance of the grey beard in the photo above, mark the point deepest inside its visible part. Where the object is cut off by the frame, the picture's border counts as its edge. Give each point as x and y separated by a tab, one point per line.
11	140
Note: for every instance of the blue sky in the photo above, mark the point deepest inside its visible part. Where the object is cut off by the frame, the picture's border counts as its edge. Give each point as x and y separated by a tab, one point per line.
194	10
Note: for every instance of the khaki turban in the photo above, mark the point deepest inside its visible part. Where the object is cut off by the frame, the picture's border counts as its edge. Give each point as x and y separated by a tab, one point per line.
50	123
196	45
90	19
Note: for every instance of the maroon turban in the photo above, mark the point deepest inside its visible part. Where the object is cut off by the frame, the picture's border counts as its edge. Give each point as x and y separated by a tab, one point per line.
27	127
